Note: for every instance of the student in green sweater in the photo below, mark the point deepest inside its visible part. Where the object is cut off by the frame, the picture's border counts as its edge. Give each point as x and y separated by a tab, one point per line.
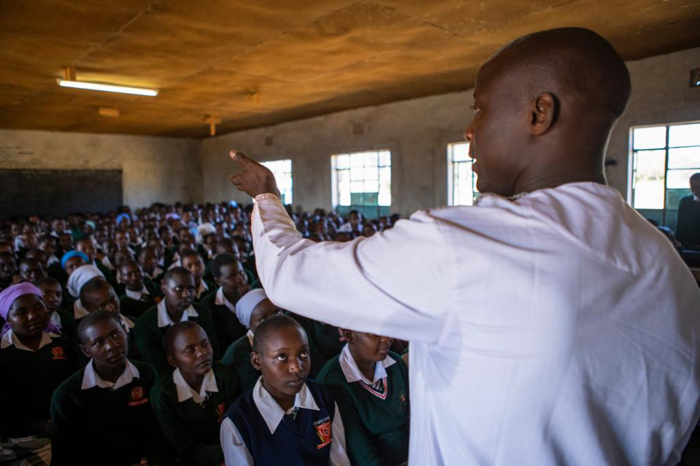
191	401
233	283
177	306
103	412
139	295
370	385
192	261
34	359
53	298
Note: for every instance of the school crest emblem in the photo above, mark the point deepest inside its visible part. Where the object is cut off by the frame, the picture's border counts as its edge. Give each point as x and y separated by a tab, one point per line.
221	411
57	353
137	398
323	430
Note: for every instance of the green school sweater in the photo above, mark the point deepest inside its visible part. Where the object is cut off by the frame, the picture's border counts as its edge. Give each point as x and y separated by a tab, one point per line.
107	427
192	430
325	337
149	337
376	430
133	308
69	327
228	327
27	380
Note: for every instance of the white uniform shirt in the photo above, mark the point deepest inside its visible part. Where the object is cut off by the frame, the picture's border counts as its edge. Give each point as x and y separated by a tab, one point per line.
559	328
235	451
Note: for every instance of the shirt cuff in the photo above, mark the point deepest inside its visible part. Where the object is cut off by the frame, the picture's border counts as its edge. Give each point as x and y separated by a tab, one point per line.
261	197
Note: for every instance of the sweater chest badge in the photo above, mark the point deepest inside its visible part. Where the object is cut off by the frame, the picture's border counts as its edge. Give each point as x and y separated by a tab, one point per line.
323	430
57	353
137	398
221	411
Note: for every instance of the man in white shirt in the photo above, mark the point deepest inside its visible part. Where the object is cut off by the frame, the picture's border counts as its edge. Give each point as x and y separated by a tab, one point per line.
550	323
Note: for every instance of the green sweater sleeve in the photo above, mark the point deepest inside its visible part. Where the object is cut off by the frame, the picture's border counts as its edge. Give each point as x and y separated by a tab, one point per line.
176	432
359	445
149	341
65	412
207	322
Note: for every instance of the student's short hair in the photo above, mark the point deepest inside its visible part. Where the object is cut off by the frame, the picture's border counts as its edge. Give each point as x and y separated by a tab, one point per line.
695	177
92	319
129	262
44	238
173	332
271	325
83	238
35	251
46	281
176	271
219	261
144	249
29	261
92	285
8	255
189	253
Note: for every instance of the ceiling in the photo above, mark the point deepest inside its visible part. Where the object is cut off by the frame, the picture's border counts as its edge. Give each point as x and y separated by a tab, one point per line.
255	63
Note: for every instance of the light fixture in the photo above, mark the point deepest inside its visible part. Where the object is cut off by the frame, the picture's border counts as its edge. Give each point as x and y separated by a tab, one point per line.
70	81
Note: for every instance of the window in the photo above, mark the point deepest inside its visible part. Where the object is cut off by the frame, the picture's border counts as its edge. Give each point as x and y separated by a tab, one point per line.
663	159
362	181
461	180
282	169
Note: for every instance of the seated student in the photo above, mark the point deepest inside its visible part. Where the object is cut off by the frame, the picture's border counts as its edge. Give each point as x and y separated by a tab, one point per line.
251	310
98	295
148	258
139	295
72	260
77	279
109	250
177	306
53	298
65	242
190	402
41	256
370	385
232	281
30	270
8	269
34	359
229	246
86	245
193	262
47	243
286	418
102	412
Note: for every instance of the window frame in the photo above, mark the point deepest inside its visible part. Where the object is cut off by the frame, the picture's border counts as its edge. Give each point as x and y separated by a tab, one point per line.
451	174
291	179
336	195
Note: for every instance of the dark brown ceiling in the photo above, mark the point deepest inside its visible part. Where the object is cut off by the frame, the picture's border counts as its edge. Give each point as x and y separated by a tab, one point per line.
254	63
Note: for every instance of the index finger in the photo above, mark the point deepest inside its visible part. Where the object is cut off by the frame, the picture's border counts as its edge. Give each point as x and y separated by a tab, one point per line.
241	158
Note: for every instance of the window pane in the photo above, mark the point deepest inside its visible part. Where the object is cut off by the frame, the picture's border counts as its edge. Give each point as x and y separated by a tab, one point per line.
282	169
342	161
688	157
649	179
649	138
684	135
679	179
385	186
460	152
385	158
371	159
343	187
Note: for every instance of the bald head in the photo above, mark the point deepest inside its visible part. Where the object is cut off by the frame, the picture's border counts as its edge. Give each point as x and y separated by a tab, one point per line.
545	105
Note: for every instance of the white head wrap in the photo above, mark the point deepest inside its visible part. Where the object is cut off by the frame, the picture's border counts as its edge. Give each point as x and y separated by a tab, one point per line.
245	305
205	229
80	277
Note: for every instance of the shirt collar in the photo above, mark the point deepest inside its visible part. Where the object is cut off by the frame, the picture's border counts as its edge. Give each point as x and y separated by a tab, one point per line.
695	198
185	392
156	272
128	323
271	411
353	373
9	339
56	320
221	300
164	319
92	379
203	288
79	310
137	294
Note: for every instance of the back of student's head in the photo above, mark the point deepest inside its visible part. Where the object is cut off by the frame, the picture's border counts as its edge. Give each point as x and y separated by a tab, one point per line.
220	261
271	326
172	333
175	271
46	281
93	285
93	318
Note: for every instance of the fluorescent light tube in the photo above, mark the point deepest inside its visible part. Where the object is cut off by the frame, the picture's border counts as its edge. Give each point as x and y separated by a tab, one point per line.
107	88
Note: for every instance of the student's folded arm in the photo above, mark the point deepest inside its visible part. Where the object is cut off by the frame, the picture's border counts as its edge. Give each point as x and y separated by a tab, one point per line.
235	451
178	436
339	450
149	347
395	283
359	445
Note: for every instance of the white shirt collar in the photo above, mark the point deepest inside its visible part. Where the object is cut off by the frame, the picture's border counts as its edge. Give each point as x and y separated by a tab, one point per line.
79	310
185	392
56	320
92	379
164	319
695	198
156	272
107	263
221	300
271	411
353	373
137	294
203	288
128	323
9	339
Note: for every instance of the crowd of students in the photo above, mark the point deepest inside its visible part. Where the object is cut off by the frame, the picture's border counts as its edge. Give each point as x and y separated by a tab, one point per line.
146	338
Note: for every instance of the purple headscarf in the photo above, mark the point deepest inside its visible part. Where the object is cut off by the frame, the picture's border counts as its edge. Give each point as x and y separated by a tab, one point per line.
8	297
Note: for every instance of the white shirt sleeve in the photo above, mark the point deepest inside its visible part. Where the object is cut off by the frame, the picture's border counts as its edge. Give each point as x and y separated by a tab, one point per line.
339	454
396	283
235	451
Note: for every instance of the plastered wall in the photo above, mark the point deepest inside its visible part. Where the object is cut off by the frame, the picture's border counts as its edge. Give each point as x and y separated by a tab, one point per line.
153	169
417	133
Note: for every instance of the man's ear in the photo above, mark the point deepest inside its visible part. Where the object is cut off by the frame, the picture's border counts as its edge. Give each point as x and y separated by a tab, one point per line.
543	113
255	361
171	361
85	351
345	335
